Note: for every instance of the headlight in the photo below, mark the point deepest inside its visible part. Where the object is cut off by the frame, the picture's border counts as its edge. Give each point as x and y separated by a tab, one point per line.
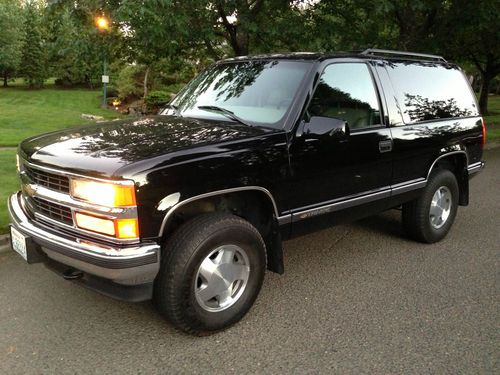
119	228
104	193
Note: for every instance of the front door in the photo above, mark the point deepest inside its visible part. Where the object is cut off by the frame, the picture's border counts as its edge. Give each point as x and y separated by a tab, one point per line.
351	169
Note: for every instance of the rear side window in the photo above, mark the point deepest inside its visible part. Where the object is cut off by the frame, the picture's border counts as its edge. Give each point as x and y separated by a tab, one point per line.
346	91
428	91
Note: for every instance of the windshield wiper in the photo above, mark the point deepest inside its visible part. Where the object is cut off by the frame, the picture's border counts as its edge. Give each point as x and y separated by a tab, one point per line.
223	111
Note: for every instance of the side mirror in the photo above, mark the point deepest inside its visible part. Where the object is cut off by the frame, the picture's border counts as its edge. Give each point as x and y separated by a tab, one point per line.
326	127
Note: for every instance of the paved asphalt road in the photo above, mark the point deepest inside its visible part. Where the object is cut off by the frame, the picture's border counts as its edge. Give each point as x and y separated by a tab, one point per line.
357	298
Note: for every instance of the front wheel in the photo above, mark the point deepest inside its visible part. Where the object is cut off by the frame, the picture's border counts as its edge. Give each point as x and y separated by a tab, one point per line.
430	217
211	273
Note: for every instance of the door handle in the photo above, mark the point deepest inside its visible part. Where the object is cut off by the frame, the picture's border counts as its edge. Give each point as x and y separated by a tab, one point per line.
385	146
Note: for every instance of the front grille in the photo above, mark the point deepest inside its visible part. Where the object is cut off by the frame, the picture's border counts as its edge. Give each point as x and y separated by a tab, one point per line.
52	210
49	180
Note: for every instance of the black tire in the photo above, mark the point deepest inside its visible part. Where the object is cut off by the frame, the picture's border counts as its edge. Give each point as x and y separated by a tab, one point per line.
415	215
174	290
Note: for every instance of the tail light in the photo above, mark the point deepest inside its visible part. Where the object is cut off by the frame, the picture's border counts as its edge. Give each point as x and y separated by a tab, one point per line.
484	131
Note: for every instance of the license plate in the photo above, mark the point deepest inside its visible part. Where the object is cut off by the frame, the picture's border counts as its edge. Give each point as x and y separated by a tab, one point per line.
18	243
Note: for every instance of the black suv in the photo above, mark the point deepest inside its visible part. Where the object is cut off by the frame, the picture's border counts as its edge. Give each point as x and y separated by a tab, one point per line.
191	206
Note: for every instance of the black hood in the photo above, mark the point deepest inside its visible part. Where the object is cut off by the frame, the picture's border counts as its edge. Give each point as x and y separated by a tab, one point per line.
104	148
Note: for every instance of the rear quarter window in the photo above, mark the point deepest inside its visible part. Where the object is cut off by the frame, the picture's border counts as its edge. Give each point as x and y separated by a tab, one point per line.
428	91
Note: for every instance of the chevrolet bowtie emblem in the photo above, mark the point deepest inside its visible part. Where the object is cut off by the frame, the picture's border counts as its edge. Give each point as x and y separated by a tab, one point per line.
28	189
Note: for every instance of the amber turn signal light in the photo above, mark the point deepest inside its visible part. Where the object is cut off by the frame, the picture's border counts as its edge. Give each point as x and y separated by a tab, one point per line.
127	228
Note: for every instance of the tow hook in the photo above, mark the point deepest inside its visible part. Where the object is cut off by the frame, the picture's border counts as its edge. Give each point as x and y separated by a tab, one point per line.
72	274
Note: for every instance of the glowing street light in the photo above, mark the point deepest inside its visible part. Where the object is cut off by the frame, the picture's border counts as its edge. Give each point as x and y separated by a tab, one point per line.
102	24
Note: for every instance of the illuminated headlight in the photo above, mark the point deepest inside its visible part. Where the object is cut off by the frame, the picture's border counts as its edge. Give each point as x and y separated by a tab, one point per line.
119	228
104	193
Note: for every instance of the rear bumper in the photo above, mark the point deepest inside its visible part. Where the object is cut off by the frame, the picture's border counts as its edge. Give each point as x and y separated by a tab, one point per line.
123	272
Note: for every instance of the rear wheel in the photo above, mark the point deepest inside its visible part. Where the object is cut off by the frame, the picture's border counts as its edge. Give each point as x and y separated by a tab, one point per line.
211	273
430	217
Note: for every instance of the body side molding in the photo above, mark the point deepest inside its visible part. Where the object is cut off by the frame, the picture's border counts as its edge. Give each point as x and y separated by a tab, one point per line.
369	196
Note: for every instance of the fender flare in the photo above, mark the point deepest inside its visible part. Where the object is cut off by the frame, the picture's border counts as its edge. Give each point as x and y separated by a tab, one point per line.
461	175
172	210
446	154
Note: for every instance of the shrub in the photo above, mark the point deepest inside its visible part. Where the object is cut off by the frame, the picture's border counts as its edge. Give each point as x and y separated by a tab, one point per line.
156	99
129	83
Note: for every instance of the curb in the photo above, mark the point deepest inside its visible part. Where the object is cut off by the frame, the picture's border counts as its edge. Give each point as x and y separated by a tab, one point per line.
4	243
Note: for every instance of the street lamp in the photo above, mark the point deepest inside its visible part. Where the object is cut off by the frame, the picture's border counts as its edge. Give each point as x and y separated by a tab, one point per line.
102	25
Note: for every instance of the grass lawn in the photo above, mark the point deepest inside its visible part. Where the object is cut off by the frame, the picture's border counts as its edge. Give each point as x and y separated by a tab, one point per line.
9	184
493	119
24	113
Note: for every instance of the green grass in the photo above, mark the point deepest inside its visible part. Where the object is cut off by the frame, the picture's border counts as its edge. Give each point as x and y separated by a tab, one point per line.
8	184
493	119
24	113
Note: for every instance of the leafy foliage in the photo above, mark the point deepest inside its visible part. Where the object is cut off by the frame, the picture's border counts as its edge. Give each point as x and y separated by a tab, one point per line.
34	57
76	48
11	37
156	99
129	81
171	40
470	33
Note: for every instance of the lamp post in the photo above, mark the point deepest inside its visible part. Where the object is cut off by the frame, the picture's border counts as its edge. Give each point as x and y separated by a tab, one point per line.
102	24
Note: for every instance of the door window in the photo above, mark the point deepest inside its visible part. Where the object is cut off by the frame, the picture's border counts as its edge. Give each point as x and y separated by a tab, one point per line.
346	91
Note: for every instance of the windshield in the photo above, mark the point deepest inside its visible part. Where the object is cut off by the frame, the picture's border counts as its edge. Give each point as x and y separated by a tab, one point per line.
256	92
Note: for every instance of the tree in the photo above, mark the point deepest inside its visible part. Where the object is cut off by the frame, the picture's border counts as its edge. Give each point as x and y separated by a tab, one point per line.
471	34
154	31
33	60
11	37
246	26
75	47
462	30
387	24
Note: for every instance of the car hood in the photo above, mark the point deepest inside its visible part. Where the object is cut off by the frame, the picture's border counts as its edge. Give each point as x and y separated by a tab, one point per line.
104	148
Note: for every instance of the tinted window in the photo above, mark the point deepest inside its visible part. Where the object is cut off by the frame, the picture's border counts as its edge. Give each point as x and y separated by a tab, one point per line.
427	91
259	92
346	91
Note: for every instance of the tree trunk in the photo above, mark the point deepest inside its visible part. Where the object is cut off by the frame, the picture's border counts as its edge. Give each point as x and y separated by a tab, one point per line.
5	80
146	74
483	97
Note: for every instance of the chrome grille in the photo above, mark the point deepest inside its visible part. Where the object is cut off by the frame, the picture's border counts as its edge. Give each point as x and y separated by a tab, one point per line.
51	210
49	180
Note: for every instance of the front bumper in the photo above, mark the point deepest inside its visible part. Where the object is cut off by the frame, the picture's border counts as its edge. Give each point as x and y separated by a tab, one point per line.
124	272
475	168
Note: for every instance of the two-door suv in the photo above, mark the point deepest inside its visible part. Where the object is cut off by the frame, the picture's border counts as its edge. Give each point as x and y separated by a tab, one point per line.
190	207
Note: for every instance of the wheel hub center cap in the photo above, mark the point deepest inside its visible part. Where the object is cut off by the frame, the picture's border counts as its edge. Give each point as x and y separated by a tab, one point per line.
221	278
440	207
